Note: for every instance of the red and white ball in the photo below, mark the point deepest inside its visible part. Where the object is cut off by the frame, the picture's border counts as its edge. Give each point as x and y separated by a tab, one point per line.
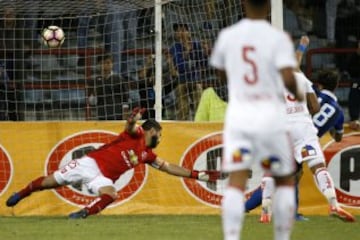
53	36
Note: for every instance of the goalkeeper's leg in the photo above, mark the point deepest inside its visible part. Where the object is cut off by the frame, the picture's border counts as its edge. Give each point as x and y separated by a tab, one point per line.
107	194
38	184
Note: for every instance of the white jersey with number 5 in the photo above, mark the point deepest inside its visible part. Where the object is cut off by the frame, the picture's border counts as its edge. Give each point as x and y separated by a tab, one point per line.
252	52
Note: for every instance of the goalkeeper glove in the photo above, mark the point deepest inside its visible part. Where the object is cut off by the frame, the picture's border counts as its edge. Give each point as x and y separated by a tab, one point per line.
136	114
206	176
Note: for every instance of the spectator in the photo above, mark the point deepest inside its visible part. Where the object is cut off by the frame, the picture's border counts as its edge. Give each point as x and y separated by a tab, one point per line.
108	92
232	11
208	22
12	54
347	30
170	81
354	106
331	13
190	61
354	95
117	26
213	103
146	75
132	81
291	21
146	86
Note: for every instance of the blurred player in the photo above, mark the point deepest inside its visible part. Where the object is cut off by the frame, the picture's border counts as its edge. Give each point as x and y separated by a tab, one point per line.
307	150
257	60
330	117
99	169
307	147
267	183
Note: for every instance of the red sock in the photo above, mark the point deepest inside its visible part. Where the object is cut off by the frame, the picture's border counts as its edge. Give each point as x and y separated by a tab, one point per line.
35	185
99	204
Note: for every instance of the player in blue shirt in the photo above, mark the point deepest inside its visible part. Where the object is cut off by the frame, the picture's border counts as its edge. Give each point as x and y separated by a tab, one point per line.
330	117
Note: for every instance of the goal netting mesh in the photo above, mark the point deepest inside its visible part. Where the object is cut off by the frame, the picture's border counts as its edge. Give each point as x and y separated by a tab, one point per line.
106	64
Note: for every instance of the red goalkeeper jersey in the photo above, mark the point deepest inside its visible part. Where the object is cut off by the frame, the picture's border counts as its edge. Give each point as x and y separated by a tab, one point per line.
122	154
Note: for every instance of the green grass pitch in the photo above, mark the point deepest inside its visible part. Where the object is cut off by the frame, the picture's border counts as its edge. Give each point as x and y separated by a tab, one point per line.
163	227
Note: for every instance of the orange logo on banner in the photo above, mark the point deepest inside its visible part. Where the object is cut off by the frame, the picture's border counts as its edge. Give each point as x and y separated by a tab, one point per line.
6	170
76	146
343	160
206	154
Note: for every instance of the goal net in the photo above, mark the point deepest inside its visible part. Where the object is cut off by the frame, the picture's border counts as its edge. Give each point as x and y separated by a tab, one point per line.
106	64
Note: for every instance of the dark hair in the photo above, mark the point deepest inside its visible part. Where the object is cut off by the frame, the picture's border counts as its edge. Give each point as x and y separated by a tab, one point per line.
176	26
150	123
104	57
329	79
257	3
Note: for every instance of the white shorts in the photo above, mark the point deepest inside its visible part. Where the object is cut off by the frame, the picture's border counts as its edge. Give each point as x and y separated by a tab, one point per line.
309	151
83	171
272	150
307	147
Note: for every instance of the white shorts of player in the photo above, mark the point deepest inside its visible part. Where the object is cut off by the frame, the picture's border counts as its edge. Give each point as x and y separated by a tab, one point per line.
307	147
85	171
262	146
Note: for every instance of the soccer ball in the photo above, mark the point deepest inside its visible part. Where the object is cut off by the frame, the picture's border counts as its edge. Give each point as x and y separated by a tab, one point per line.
53	36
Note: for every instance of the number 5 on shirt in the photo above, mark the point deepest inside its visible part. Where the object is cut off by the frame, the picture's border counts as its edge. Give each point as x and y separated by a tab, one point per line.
253	77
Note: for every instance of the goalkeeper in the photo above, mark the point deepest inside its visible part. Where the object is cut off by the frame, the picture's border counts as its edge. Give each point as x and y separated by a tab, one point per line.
99	169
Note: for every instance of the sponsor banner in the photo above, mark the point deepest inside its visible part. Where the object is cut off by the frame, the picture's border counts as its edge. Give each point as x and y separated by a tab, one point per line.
6	170
29	150
35	149
206	153
343	160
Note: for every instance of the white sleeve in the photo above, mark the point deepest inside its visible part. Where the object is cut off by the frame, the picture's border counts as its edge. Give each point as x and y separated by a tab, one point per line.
284	55
217	58
309	88
304	81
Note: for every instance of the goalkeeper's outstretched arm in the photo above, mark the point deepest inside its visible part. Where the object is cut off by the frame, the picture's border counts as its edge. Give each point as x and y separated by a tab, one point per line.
136	115
179	171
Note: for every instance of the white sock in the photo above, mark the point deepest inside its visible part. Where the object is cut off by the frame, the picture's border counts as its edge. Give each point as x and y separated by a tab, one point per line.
268	187
283	212
325	184
232	213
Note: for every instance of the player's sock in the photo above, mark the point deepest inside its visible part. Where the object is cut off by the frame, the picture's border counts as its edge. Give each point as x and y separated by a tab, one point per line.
254	201
283	211
325	184
35	185
99	204
268	186
296	197
232	213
